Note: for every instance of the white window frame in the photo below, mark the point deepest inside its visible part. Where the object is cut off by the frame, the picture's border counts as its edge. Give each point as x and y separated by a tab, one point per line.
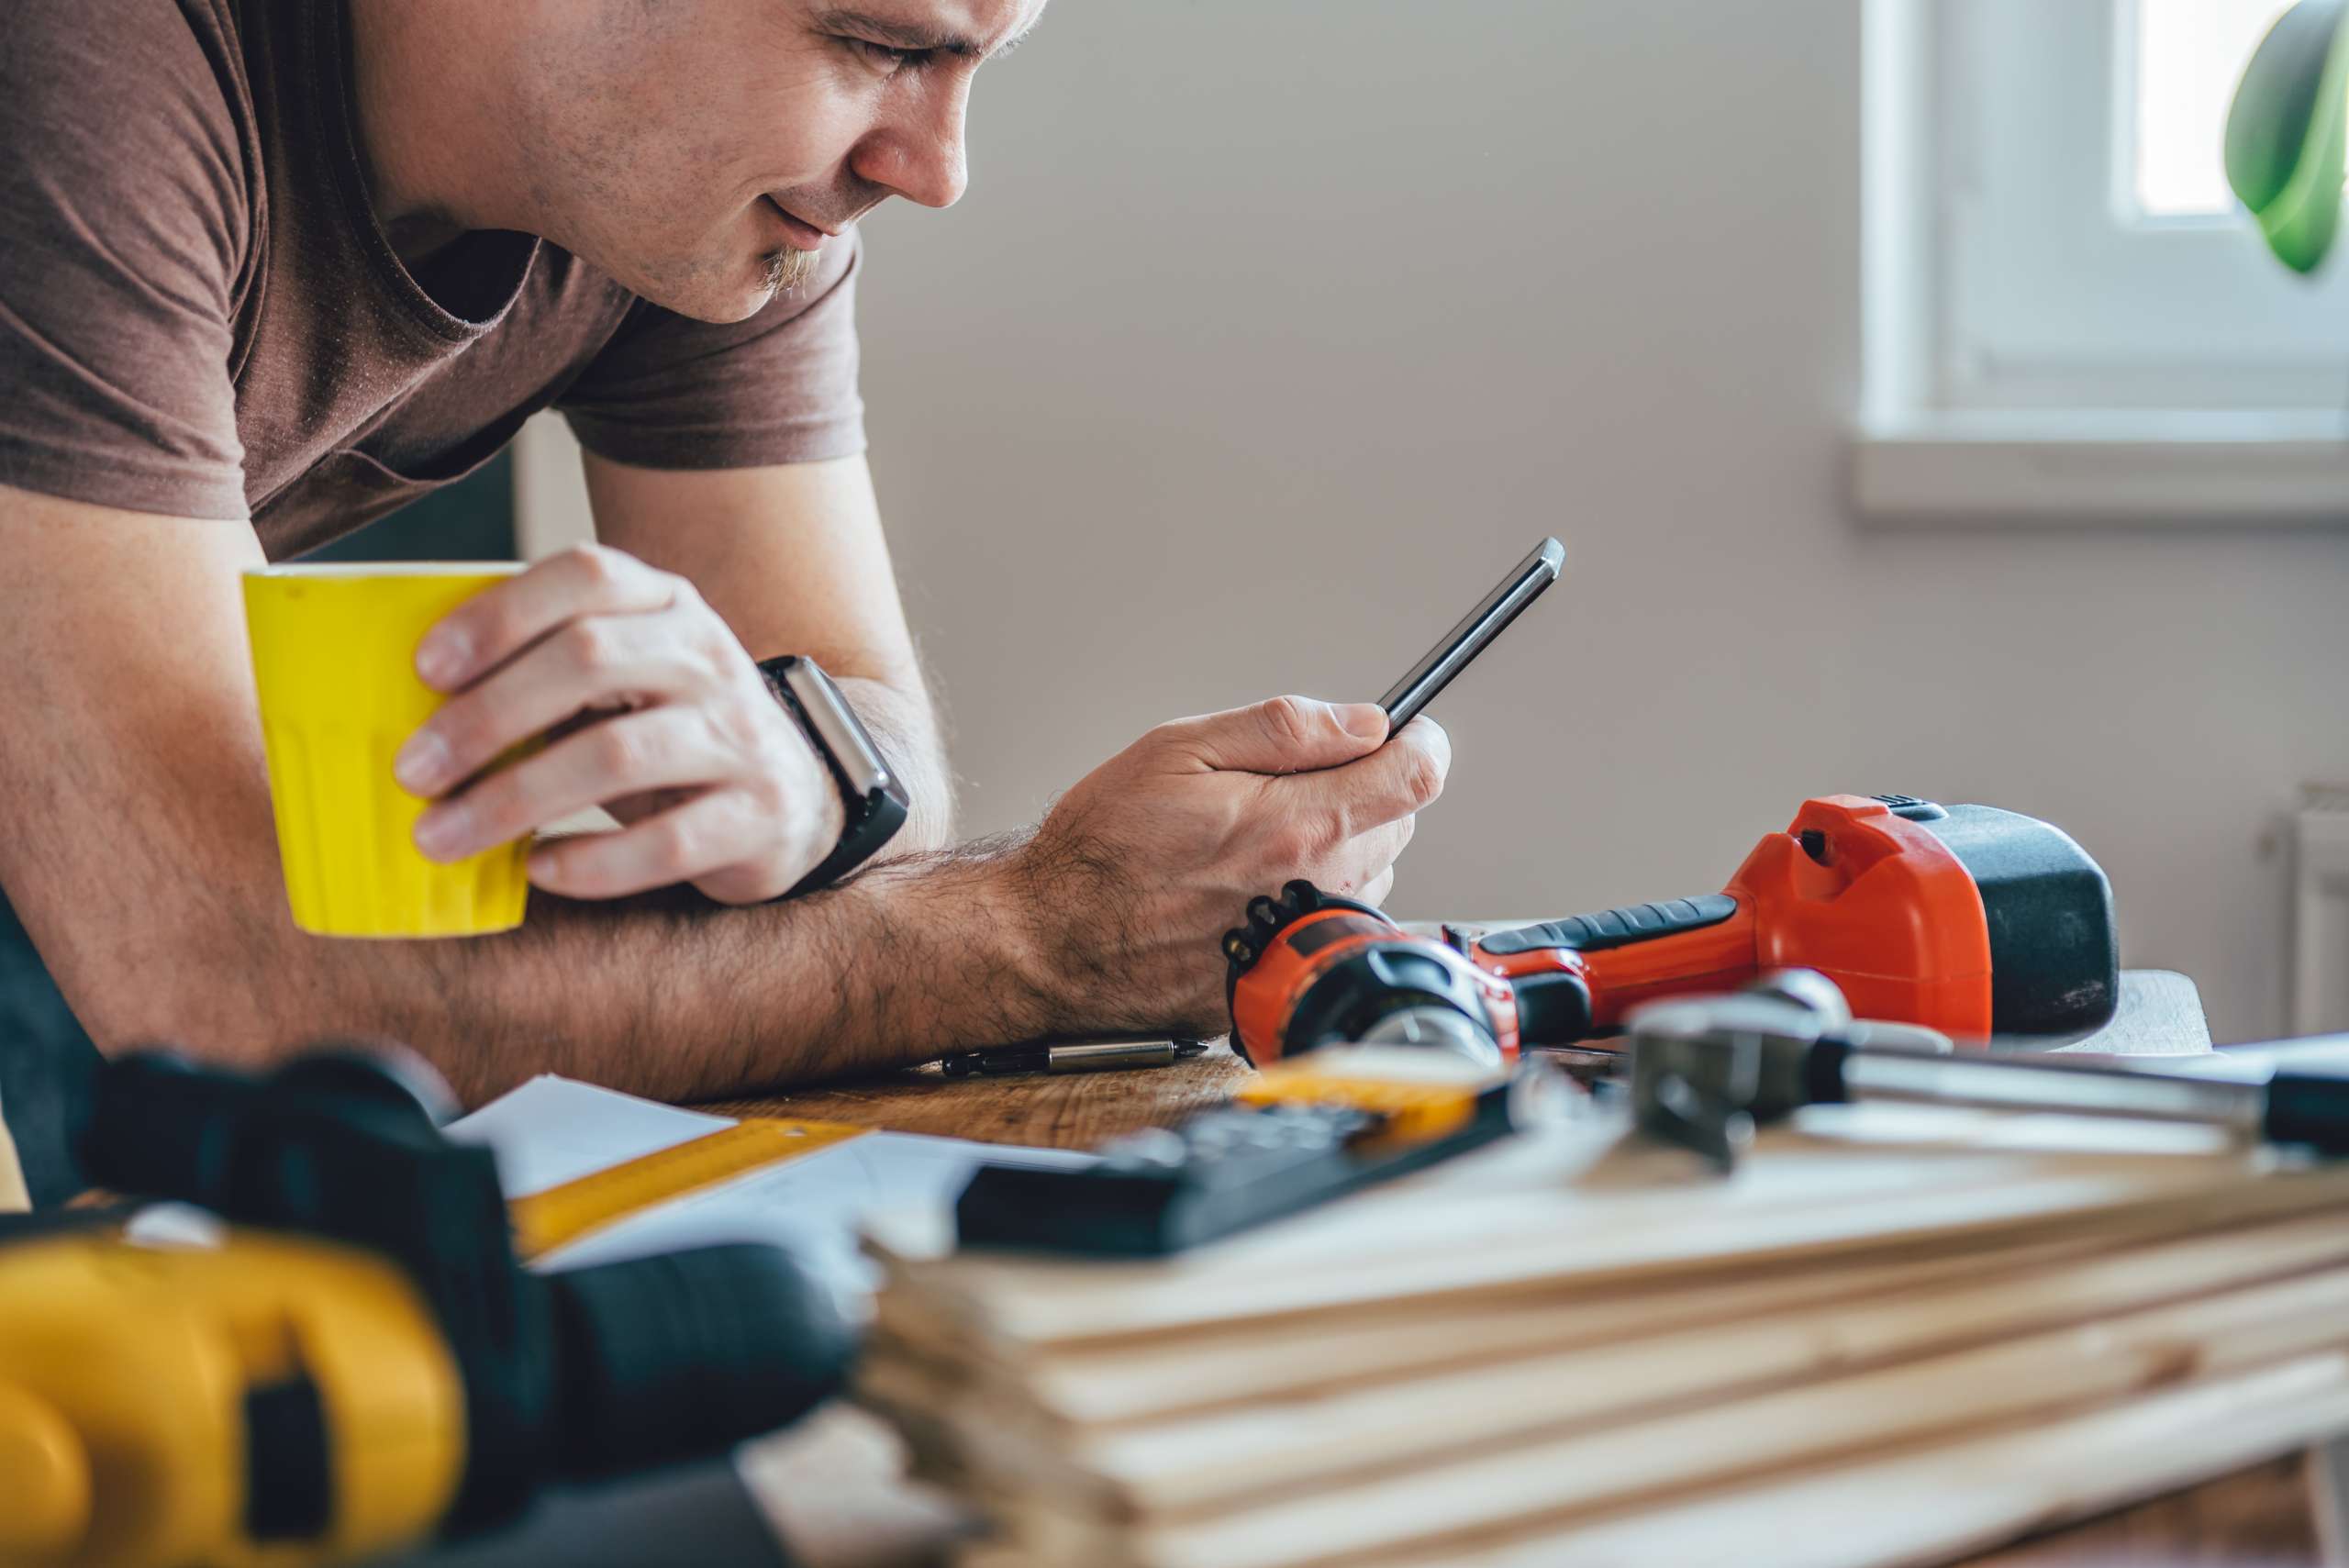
2037	349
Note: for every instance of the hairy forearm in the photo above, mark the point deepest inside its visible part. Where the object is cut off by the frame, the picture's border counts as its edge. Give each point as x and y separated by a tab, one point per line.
668	997
905	724
146	869
921	954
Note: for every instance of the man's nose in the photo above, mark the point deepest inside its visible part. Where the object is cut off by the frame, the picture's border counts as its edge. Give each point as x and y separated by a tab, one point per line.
921	157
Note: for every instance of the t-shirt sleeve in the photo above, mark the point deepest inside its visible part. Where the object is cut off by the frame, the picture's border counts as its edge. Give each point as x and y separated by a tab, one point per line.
780	387
124	220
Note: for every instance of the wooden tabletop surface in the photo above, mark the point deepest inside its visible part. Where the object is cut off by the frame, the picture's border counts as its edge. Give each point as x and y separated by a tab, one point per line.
2160	1015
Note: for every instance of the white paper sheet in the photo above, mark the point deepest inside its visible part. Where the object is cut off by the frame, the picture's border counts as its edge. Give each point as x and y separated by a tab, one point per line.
553	1130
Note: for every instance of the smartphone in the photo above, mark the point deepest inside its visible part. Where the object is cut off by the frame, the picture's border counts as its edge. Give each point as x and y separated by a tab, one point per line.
1477	629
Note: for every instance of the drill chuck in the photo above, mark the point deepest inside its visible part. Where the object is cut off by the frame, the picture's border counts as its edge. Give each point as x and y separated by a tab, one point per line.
1312	969
1441	1029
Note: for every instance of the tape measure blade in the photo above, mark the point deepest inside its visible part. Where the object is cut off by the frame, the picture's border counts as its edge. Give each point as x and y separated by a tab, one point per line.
564	1214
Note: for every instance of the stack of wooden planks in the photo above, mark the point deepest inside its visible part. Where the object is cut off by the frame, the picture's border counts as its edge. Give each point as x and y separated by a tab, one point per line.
1895	1335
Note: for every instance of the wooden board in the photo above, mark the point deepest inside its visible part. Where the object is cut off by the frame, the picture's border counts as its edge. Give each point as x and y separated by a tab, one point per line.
1934	1506
1374	1455
834	1492
1124	1383
1514	1222
1506	1490
1378	1417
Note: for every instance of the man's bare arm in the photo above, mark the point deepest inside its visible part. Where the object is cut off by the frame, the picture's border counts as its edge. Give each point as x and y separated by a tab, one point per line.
143	858
795	560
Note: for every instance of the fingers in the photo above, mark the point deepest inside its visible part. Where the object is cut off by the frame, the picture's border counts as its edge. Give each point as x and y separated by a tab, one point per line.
589	634
1372	857
597	662
1285	735
1355	820
494	624
680	844
661	747
1401	777
1360	867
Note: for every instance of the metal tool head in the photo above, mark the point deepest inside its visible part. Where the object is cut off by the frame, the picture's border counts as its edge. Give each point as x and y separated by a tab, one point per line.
1824	999
1807	989
1707	1071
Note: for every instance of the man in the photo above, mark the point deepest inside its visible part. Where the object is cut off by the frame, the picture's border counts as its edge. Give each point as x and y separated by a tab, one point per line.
269	268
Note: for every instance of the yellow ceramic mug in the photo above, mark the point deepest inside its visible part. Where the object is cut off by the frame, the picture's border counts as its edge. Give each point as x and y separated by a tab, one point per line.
334	654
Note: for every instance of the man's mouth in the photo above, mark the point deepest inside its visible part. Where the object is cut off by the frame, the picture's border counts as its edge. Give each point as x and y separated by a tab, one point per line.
803	235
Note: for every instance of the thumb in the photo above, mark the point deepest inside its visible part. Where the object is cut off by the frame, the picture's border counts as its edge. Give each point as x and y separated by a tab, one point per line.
1286	735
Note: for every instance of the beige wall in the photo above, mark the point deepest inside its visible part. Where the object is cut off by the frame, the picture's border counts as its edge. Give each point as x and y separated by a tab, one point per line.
1272	329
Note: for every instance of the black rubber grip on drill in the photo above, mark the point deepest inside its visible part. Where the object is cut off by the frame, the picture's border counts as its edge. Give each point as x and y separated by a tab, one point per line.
2309	1109
1553	1009
1615	927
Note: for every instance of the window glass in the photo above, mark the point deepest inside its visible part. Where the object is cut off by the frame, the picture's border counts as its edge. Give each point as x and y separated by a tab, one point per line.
2189	54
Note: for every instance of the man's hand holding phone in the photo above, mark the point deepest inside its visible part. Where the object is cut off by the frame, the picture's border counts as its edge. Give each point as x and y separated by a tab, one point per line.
1154	852
1141	865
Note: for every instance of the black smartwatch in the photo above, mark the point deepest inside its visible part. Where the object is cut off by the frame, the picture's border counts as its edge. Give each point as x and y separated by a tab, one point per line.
874	798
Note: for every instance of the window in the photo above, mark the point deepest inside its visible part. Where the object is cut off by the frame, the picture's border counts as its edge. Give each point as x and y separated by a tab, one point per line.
2184	58
2068	312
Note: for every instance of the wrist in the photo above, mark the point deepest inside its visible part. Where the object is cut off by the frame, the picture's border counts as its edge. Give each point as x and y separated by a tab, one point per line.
967	922
1025	909
903	722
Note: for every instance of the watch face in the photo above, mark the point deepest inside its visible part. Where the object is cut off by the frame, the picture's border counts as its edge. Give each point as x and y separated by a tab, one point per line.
837	725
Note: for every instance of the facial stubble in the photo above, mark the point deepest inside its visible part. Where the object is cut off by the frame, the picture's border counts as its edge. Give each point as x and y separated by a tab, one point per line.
789	268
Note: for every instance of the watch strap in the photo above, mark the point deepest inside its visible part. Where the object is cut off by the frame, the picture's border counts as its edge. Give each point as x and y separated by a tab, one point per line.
872	817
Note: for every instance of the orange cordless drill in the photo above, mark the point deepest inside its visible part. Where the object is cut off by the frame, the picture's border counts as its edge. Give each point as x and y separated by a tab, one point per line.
1965	918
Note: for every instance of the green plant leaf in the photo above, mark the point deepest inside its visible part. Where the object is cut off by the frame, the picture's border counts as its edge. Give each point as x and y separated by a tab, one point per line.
2285	134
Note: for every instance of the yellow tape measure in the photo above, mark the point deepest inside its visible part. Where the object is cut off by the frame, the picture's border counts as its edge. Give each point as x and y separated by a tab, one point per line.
548	1220
1415	1112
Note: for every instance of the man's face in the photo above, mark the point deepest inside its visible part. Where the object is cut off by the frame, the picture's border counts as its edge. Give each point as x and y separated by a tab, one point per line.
702	151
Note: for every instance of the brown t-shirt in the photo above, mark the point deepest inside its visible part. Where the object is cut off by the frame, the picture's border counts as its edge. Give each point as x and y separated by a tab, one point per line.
200	316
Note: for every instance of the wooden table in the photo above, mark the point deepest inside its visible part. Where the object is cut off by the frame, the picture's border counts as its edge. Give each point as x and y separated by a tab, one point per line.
831	1490
2160	1015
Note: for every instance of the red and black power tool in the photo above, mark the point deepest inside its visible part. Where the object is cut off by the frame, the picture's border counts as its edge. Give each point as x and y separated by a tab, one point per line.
1964	918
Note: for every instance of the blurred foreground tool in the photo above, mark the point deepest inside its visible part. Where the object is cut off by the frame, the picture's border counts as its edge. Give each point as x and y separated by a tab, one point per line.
1297	1135
1966	919
1706	1071
369	1365
1898	1333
